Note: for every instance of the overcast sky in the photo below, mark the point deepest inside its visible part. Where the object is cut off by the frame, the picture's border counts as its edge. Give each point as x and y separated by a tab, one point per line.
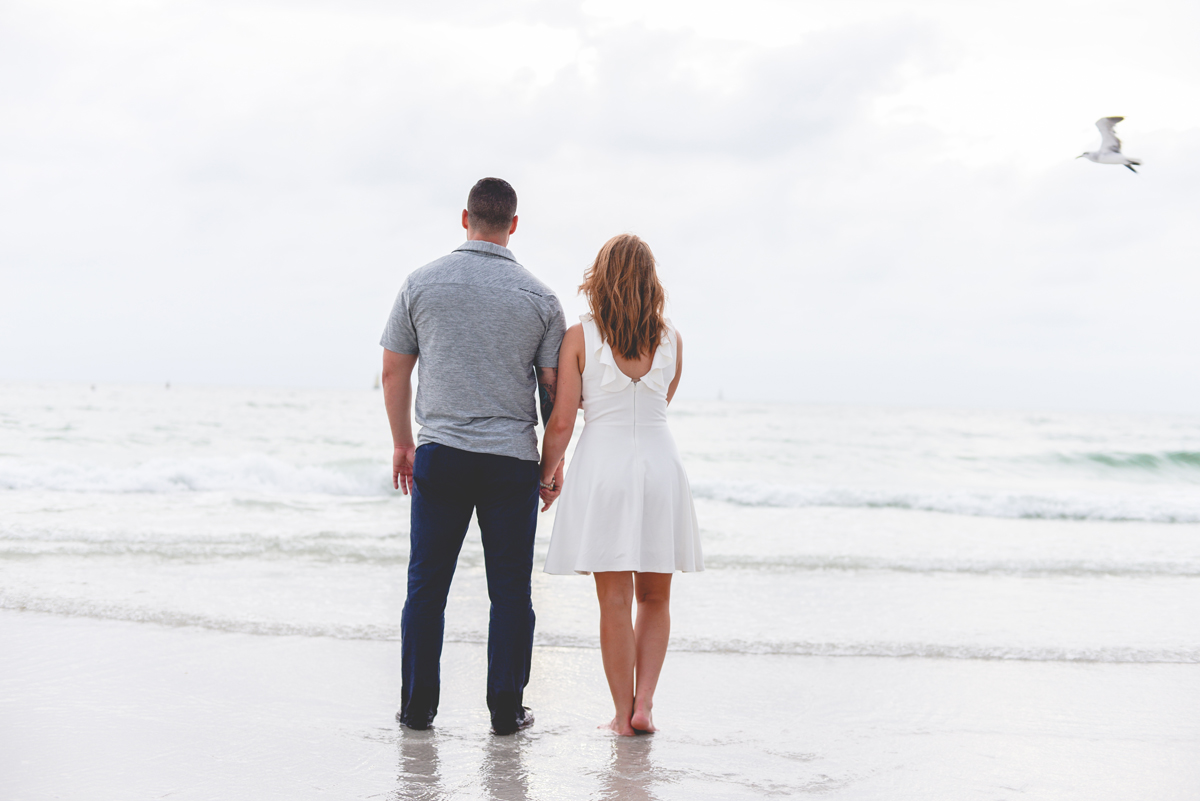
850	201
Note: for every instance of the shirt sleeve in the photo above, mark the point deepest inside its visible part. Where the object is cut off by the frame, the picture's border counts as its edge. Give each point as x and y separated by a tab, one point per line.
556	327
399	335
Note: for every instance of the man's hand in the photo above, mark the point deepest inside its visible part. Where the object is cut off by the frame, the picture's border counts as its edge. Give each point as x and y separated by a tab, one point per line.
550	496
397	399
402	467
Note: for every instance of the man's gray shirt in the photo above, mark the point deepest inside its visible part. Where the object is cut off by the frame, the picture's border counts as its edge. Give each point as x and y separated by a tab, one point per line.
481	324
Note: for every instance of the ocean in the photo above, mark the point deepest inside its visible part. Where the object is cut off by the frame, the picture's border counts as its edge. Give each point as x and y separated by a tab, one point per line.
926	559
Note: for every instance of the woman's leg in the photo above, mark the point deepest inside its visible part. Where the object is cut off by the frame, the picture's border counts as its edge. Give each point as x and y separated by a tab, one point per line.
651	633
615	593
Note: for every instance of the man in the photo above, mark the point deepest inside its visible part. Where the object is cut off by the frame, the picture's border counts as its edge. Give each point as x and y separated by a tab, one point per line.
483	332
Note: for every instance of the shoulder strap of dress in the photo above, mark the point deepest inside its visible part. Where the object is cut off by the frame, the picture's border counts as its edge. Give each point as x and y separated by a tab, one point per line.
591	338
662	369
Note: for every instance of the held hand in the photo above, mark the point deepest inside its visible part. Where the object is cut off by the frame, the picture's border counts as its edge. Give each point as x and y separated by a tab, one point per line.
549	496
402	467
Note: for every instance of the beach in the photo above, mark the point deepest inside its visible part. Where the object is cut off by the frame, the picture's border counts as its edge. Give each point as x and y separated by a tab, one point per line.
200	593
108	709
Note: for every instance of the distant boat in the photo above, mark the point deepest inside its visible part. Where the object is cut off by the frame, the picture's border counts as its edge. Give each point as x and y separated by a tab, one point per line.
376	382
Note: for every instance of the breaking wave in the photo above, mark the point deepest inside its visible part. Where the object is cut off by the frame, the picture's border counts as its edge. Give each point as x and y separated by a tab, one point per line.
1146	462
1048	506
253	472
385	633
260	474
392	550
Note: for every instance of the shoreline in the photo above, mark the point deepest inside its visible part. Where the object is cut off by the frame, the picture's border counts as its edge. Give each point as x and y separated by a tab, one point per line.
113	709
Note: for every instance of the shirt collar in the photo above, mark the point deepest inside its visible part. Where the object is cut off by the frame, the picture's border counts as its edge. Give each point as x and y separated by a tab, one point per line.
491	248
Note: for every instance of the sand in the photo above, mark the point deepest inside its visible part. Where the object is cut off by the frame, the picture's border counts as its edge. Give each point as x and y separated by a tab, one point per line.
102	709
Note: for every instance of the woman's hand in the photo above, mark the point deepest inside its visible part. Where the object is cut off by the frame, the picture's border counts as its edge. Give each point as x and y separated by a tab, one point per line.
550	495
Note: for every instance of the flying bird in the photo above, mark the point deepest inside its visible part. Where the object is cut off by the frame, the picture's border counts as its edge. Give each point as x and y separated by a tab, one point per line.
1110	146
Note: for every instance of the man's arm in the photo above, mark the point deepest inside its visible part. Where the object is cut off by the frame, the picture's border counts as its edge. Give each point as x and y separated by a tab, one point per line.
547	378
397	399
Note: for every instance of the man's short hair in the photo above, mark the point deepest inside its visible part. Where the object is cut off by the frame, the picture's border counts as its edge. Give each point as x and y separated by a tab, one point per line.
492	204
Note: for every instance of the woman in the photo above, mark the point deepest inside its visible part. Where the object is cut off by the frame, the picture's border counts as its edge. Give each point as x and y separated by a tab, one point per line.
626	511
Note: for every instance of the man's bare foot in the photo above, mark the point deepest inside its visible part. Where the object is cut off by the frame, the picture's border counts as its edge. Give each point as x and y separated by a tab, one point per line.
642	720
616	726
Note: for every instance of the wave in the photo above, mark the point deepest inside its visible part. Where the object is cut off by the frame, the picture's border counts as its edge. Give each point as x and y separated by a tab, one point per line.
260	474
920	650
1033	568
1121	460
383	633
386	551
1047	506
253	472
392	550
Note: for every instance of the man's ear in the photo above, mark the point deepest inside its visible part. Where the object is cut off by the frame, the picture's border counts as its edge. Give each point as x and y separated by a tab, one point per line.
513	228
466	220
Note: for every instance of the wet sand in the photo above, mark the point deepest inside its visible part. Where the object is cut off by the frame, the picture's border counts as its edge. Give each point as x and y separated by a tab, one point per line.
117	710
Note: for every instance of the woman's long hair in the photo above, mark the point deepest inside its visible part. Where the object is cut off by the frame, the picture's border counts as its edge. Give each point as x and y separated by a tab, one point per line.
626	297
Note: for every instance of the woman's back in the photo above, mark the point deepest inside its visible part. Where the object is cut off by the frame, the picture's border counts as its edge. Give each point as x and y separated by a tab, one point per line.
611	396
634	368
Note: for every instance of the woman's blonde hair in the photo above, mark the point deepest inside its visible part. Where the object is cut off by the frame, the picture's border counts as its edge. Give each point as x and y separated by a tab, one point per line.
625	296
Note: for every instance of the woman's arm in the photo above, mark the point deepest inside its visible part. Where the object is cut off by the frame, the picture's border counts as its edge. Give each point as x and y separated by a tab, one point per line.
562	420
678	365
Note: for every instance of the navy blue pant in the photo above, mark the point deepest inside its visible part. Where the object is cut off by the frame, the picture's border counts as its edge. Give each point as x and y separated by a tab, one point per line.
448	485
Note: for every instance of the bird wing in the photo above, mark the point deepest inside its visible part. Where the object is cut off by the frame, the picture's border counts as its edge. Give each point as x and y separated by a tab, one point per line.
1108	139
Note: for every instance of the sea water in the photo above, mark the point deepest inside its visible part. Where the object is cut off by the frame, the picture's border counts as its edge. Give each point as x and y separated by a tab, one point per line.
846	532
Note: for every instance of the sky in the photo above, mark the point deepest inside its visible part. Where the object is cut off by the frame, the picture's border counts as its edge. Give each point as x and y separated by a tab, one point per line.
850	202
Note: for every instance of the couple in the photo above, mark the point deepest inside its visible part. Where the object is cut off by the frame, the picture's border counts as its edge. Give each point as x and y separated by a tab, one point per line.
482	331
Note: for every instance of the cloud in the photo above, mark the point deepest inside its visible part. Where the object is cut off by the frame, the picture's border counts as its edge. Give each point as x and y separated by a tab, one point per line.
233	193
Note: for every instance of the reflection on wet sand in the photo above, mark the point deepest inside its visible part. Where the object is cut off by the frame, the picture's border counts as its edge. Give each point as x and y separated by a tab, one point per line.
631	774
420	774
503	773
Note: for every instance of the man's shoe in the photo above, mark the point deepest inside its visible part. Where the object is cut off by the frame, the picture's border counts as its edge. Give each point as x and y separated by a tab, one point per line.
420	710
511	723
420	724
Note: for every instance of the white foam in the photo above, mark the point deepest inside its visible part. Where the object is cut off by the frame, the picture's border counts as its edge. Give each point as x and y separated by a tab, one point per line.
1071	568
898	649
251	472
259	473
1051	506
382	551
391	550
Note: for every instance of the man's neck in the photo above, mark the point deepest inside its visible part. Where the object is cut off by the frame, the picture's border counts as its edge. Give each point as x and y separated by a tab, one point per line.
495	239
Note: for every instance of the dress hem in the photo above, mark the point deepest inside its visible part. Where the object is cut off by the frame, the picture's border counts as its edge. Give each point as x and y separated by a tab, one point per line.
550	572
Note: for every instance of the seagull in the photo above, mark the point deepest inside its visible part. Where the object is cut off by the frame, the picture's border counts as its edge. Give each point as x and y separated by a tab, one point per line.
1110	146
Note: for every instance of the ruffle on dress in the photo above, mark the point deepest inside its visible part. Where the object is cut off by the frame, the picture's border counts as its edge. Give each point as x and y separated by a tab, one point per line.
662	369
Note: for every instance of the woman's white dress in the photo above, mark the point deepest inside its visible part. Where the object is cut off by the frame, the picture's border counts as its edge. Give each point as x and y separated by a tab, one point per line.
626	503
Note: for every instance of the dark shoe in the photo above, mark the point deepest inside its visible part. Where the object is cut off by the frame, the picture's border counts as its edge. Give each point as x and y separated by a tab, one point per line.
420	709
511	723
420	724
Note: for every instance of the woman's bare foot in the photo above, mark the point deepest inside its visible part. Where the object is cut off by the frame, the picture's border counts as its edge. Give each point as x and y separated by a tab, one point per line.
642	719
617	726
